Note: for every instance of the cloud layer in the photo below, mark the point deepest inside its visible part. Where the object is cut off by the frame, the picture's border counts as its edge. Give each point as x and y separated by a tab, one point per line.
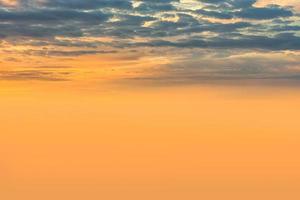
203	35
208	24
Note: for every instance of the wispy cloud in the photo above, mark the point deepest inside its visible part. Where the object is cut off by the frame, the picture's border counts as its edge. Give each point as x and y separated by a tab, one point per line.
256	67
41	75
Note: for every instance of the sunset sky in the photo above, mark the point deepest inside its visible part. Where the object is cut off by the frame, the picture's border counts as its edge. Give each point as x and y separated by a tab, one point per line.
149	99
163	39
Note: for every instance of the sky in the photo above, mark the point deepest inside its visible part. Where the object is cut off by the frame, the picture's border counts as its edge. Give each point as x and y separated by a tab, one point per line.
149	99
157	41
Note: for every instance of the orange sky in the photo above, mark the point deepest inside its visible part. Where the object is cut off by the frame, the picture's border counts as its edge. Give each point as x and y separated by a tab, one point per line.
294	3
109	142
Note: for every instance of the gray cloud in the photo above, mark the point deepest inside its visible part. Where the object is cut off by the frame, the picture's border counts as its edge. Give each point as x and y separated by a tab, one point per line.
40	75
66	53
242	69
285	41
89	4
42	22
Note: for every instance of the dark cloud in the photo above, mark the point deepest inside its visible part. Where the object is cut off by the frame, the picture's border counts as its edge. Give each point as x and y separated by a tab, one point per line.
284	41
229	9
125	20
52	16
89	4
270	12
230	3
155	6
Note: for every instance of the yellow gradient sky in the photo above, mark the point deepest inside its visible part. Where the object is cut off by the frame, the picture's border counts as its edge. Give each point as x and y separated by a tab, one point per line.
211	142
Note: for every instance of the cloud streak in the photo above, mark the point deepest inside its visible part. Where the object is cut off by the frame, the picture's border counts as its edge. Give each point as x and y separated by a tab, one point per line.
40	75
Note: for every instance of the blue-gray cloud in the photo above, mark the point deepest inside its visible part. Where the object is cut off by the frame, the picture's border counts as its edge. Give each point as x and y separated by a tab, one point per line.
271	27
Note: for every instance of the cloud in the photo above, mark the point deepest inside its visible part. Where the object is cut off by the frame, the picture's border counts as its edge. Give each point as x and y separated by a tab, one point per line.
155	6
58	53
285	41
147	23
244	9
51	16
89	4
202	68
40	75
269	12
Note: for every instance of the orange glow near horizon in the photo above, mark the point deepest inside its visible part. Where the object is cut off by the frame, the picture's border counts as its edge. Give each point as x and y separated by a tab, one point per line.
195	142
